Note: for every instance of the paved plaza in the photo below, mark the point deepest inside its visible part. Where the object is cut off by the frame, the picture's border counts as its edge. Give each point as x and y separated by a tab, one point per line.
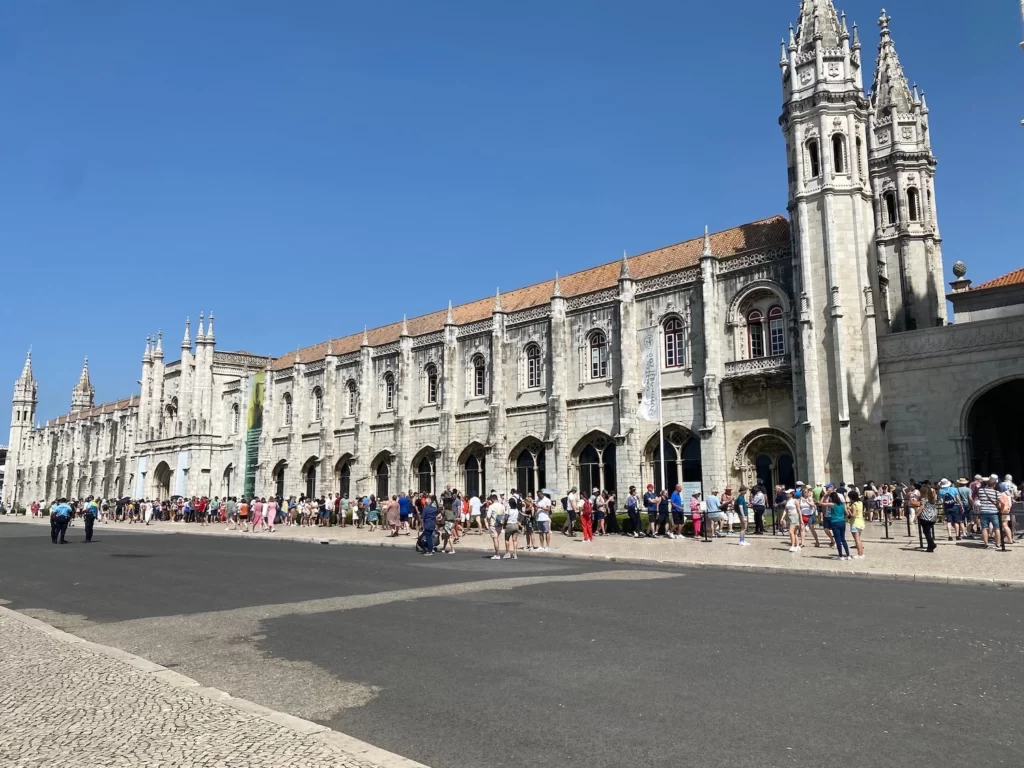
463	661
896	557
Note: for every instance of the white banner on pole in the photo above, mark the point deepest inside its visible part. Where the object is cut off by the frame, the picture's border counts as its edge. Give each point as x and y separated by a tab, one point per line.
650	404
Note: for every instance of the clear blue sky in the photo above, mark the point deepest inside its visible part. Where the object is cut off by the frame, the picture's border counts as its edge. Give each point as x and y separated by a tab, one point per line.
304	168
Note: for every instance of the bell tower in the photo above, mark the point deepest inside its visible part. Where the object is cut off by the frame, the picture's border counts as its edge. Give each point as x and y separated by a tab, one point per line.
824	121
82	396
902	167
23	414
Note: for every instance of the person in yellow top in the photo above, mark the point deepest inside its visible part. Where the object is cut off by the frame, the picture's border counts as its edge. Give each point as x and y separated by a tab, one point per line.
855	514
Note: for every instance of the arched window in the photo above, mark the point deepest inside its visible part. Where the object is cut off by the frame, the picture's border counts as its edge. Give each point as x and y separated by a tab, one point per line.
891	209
287	409
479	376
598	355
839	152
235	415
475	476
533	366
913	204
777	331
318	403
431	372
383	476
425	476
389	391
351	395
755	333
675	349
311	481
345	480
814	159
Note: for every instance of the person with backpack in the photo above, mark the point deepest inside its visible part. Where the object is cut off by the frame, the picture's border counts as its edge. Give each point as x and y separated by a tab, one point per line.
834	504
633	511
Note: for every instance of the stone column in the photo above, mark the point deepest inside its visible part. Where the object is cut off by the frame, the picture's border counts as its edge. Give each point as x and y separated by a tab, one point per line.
497	419
627	438
265	464
404	378
328	419
448	392
362	475
558	412
712	447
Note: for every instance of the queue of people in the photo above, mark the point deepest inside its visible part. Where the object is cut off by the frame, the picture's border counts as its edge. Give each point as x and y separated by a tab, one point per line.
969	509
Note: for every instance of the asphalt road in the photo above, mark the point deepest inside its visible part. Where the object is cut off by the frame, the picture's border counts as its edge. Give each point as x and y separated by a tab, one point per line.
463	662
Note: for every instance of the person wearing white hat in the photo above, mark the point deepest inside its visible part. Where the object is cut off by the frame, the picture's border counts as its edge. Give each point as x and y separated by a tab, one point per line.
792	520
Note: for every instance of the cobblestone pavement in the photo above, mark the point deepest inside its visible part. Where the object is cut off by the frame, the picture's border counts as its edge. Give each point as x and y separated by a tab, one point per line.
898	557
66	704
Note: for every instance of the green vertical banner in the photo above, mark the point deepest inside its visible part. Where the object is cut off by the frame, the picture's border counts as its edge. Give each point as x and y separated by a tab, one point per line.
254	428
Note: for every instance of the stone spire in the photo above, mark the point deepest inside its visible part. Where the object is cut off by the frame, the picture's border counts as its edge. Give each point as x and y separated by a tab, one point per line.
158	353
366	337
330	347
890	90
624	269
200	336
405	326
706	251
556	290
25	387
497	300
818	20
147	356
450	317
83	393
186	342
209	330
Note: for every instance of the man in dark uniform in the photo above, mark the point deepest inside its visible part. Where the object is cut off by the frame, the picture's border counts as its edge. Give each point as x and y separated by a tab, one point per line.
90	519
62	515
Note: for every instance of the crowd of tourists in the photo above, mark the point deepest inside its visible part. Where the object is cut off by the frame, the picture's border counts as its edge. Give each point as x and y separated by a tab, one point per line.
969	509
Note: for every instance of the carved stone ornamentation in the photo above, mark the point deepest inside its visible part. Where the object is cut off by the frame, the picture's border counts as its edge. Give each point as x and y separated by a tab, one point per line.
671	280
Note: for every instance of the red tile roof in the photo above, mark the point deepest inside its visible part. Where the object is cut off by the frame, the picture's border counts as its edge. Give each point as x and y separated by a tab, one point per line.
99	410
1011	278
772	232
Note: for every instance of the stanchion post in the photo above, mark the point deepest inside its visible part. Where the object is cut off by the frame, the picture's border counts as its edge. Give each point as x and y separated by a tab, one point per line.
704	517
908	520
885	516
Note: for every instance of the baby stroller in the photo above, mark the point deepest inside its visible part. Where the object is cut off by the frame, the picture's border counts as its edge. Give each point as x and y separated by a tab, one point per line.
421	542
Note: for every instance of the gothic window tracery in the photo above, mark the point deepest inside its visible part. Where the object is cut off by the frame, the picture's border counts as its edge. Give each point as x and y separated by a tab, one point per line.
675	342
287	409
389	391
235	414
598	355
839	153
318	403
913	204
533	366
813	159
479	375
891	209
431	375
351	396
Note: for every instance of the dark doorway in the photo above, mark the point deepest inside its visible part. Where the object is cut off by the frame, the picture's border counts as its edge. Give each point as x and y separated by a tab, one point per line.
993	425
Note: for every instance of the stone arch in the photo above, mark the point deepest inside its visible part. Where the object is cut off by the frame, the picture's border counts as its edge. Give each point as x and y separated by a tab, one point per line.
593	462
772	444
310	477
278	476
162	482
423	470
761	295
343	475
736	316
681	453
382	474
528	465
473	469
991	441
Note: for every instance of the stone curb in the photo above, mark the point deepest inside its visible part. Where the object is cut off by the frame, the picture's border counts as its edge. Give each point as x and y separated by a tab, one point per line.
924	578
351	746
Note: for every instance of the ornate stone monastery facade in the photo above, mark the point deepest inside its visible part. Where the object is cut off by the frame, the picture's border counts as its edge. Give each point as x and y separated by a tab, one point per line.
774	336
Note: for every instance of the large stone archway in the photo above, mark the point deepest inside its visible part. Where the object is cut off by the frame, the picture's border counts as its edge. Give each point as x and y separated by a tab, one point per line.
766	457
991	424
162	482
680	455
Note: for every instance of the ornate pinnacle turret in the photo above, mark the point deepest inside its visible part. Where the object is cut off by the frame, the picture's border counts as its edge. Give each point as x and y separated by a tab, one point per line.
83	393
25	386
890	90
706	251
366	337
405	326
624	267
856	38
497	300
158	353
330	347
26	370
784	56
844	31
818	20
200	336
209	330
556	289
297	358
450	317
186	342
147	356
